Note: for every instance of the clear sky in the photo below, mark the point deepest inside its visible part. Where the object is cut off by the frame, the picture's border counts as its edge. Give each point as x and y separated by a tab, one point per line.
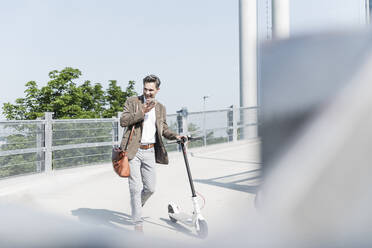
193	45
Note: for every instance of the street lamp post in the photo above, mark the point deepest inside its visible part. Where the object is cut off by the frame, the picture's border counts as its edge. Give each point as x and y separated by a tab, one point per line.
204	130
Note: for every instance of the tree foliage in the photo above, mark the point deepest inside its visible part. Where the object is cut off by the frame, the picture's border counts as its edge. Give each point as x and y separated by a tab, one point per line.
67	100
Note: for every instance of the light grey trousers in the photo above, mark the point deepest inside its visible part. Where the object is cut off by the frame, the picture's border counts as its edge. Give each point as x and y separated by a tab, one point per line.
142	181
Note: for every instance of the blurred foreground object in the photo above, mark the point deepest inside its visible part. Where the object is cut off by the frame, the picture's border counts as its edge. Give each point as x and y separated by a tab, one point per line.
317	135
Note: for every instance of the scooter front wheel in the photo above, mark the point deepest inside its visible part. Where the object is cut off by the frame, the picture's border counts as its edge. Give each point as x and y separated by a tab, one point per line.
203	229
171	211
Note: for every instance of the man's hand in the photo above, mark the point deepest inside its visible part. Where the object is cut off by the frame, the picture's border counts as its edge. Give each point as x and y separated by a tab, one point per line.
148	106
178	137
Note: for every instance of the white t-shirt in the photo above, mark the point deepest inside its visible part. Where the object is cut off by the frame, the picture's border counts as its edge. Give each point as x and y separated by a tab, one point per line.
149	127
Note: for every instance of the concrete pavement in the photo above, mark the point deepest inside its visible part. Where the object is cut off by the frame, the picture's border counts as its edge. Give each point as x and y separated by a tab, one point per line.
225	175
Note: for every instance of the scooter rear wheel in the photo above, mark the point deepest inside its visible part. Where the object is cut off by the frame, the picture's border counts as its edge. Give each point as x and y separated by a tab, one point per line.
171	211
203	229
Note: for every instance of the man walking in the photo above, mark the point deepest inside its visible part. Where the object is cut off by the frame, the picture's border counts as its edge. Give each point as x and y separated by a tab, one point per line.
146	147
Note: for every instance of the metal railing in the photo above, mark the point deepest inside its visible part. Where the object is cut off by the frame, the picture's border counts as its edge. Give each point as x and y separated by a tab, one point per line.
46	144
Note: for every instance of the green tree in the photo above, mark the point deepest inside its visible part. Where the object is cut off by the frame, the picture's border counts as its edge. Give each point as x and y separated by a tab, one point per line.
67	100
116	98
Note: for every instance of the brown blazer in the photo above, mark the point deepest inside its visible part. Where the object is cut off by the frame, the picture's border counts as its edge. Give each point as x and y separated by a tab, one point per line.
132	115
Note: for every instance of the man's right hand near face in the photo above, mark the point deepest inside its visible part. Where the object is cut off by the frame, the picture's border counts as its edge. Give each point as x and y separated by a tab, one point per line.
148	106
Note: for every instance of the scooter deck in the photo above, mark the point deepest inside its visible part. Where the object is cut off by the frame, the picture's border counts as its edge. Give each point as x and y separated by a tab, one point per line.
183	217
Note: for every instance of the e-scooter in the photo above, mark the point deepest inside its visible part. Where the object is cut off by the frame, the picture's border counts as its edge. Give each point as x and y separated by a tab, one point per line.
195	219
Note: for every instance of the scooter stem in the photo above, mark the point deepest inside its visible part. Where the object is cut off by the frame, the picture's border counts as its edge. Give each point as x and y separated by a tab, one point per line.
188	169
196	205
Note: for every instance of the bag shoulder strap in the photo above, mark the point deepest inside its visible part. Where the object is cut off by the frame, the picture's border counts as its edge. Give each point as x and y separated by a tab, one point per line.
130	138
132	131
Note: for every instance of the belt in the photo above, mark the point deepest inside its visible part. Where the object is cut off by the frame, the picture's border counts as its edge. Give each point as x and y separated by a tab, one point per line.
148	146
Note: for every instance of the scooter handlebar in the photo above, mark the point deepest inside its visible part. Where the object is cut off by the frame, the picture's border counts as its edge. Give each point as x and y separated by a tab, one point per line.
184	139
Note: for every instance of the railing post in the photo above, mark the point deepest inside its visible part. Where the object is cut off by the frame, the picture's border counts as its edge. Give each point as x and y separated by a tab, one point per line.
235	123
182	123
113	131
39	141
204	129
185	123
179	126
48	141
120	129
230	126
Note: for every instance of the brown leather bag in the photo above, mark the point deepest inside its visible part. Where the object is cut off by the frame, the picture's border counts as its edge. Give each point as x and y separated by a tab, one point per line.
120	160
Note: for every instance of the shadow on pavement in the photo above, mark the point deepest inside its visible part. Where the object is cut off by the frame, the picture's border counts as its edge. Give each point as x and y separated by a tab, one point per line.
102	217
225	160
237	184
179	228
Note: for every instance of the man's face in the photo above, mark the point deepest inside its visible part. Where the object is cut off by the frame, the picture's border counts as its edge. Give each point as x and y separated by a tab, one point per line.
150	90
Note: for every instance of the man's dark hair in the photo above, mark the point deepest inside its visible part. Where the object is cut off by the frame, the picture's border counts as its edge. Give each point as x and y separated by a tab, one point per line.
152	79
